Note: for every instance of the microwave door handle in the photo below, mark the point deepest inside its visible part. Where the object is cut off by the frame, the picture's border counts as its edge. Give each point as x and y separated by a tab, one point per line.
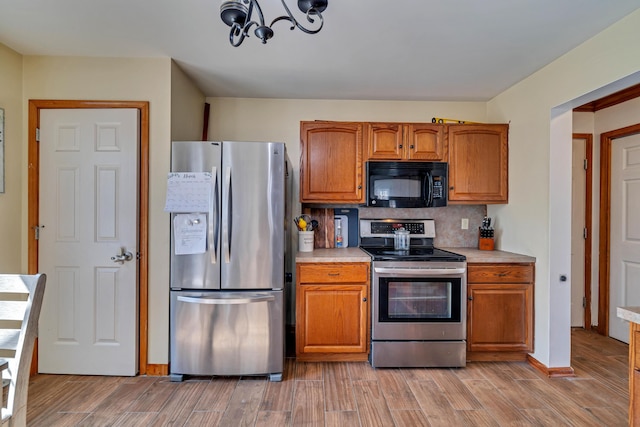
430	198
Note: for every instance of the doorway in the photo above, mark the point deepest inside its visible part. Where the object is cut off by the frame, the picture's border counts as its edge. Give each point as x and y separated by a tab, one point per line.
618	226
35	107
581	230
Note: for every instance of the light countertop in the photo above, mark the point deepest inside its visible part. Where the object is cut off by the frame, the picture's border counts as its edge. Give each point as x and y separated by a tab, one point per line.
477	256
354	254
350	254
632	314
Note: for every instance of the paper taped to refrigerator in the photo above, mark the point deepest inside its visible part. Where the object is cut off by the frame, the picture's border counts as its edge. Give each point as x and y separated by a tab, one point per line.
188	192
190	233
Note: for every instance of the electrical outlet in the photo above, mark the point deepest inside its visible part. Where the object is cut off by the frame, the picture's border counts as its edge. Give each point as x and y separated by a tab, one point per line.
465	223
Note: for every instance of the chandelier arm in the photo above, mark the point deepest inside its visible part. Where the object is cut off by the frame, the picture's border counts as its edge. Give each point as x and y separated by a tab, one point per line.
294	22
238	15
252	4
312	12
238	33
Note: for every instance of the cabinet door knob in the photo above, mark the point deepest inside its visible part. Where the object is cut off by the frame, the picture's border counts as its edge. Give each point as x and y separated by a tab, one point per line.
470	298
364	299
400	145
450	188
411	146
359	187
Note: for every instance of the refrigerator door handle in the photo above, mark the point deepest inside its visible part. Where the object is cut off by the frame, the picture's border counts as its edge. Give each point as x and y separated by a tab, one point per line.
226	216
230	299
214	224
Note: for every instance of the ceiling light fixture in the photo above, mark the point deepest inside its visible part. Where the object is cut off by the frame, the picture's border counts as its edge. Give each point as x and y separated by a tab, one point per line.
238	15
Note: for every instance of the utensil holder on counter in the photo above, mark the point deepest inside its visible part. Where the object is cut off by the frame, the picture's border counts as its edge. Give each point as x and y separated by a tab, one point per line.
305	241
485	235
486	244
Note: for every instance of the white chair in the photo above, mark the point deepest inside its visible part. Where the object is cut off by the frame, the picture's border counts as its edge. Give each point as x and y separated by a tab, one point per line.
20	303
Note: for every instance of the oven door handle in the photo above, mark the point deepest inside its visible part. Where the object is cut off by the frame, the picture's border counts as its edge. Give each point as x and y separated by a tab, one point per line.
431	272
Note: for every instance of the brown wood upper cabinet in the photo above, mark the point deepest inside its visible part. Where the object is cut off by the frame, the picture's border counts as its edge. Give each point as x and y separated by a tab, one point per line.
333	154
331	162
405	141
478	163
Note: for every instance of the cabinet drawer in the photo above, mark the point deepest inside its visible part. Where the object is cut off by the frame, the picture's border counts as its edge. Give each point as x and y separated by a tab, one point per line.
500	273
333	273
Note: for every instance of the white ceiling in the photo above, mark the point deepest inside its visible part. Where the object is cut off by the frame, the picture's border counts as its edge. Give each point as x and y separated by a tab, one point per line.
446	50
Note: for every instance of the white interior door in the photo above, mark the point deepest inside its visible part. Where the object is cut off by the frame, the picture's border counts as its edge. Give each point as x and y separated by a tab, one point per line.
625	232
578	200
88	208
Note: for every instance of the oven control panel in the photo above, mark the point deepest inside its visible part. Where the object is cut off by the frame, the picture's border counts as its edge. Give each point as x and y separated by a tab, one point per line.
387	227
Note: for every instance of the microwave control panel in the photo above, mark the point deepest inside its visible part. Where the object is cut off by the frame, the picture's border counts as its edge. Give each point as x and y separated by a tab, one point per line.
438	188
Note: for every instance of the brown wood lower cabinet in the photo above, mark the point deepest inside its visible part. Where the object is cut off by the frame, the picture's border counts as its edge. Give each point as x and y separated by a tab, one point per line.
634	374
499	311
332	311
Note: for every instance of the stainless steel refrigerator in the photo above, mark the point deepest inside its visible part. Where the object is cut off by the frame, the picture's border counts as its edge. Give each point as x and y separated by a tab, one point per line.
227	302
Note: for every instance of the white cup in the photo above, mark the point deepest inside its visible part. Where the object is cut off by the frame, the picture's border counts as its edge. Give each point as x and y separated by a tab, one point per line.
305	241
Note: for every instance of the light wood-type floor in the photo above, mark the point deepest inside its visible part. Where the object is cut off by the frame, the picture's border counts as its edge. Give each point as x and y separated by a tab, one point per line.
353	394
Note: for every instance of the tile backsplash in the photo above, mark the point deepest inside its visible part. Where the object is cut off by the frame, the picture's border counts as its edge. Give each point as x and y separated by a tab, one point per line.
448	221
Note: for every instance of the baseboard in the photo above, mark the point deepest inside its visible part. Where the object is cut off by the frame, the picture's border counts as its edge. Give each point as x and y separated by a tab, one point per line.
496	356
159	370
551	372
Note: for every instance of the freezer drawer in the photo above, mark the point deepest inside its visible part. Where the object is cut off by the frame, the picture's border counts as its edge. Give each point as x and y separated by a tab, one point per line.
227	333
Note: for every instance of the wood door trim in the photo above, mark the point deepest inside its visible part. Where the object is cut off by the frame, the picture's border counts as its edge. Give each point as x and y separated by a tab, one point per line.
35	105
615	98
588	207
606	141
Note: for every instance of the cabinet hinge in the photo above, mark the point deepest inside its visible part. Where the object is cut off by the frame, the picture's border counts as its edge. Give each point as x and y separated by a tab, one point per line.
584	233
585	164
584	302
38	134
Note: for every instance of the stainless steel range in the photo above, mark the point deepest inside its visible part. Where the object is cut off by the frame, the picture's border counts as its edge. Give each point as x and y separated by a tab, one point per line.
418	297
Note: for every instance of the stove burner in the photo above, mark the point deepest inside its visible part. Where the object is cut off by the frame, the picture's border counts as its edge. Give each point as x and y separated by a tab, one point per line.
377	239
413	254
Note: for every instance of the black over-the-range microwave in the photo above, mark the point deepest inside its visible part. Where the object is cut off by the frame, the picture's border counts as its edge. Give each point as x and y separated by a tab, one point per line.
406	184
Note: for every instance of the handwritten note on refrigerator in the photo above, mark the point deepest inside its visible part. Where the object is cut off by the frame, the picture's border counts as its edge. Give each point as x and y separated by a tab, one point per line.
188	192
190	234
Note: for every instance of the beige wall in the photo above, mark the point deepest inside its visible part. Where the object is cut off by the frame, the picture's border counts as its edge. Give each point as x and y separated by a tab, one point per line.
10	200
187	106
537	219
246	119
117	79
527	224
279	120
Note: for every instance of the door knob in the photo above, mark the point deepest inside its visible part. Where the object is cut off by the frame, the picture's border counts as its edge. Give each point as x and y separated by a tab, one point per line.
123	256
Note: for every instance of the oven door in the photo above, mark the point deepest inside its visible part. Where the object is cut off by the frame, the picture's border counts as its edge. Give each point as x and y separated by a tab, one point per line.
419	301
